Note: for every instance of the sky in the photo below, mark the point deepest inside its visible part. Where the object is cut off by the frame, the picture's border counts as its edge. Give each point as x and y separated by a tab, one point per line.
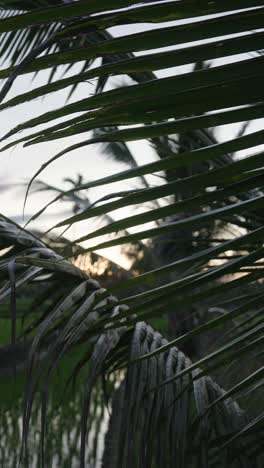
19	164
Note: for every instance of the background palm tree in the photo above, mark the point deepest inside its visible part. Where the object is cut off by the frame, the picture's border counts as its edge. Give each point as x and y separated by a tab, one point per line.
186	421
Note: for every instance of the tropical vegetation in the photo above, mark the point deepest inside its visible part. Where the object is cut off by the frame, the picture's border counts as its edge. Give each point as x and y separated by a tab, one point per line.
194	74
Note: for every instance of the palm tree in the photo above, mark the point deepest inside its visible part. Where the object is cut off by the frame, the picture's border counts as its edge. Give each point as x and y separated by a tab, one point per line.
171	413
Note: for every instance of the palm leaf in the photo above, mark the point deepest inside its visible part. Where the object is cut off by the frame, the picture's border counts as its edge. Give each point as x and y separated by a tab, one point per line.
185	399
225	192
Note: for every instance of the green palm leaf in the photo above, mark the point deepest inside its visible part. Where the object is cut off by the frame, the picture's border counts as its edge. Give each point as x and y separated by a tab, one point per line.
206	185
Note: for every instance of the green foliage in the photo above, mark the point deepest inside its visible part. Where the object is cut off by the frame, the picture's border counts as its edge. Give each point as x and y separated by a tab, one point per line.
172	414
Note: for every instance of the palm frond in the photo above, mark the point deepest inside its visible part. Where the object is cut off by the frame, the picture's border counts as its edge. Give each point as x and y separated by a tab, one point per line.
171	416
206	187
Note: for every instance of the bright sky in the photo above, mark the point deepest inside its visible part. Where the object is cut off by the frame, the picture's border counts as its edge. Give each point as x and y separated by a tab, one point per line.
19	164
